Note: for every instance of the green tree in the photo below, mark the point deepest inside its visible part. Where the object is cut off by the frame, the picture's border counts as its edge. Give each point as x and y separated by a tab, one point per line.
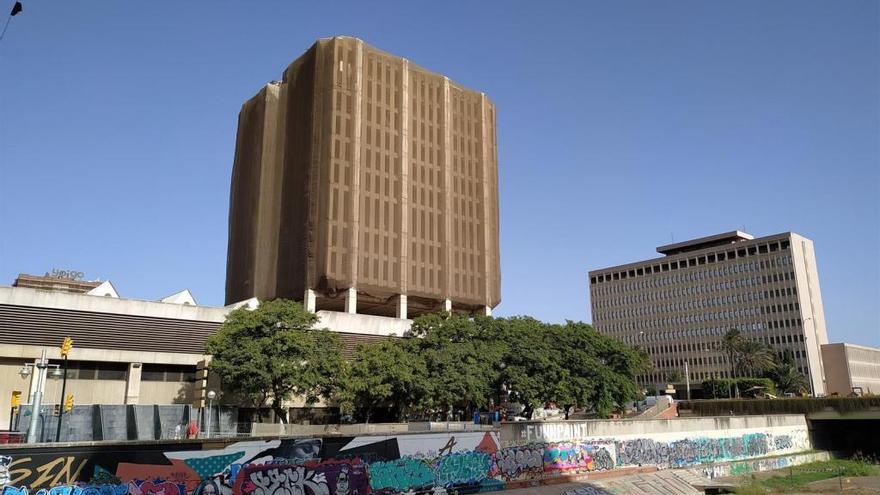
453	362
620	365
572	365
730	345
383	375
529	371
786	376
272	354
754	358
675	376
461	362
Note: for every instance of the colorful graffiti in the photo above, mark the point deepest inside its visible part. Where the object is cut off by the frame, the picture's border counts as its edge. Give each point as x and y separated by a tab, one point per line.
424	464
689	452
576	457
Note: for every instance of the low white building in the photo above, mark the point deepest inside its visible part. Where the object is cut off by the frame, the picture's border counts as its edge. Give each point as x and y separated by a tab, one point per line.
851	369
127	351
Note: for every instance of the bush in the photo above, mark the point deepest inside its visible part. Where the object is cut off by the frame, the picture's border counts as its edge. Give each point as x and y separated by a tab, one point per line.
745	384
720	388
717	388
797	405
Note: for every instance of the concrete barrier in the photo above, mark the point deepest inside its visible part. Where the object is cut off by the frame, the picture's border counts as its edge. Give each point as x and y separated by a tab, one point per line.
437	462
126	422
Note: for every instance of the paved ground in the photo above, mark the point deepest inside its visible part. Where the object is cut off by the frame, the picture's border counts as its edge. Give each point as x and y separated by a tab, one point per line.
666	482
679	482
863	484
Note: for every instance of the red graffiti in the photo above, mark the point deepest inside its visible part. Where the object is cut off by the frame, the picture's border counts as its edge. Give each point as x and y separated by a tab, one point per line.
159	488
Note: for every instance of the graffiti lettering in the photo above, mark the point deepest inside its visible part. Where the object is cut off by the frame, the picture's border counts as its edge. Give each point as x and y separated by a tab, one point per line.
400	475
292	480
447	449
462	468
420	464
514	461
65	469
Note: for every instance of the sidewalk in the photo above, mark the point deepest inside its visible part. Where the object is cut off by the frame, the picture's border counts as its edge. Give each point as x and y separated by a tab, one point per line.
665	482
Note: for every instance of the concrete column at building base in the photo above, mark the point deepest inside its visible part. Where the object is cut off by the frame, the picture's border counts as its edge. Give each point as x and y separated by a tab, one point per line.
310	300
447	305
351	297
401	306
486	311
133	383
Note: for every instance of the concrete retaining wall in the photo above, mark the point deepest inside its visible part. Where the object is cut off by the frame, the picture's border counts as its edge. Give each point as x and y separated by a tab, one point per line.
467	462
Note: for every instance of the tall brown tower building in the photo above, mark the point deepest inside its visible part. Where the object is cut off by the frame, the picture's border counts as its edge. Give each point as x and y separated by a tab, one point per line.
365	183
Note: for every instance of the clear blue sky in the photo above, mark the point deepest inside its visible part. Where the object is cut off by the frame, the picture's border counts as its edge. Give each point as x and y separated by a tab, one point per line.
621	125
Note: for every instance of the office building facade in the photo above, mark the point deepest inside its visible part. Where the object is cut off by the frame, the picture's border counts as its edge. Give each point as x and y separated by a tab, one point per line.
366	184
678	307
851	369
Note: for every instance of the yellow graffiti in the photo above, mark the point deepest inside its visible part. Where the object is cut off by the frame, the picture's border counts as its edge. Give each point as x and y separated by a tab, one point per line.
16	476
66	473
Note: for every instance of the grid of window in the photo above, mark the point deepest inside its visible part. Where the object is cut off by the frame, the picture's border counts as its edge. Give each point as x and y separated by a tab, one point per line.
426	200
341	182
380	181
467	196
678	308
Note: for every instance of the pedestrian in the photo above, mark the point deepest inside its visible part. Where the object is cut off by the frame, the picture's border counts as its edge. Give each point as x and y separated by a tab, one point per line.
192	430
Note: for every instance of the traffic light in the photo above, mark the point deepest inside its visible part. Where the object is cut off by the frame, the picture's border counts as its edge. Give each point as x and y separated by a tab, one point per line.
68	403
16	398
66	346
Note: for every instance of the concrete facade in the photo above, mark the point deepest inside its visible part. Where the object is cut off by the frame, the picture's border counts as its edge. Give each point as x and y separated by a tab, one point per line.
849	367
126	351
359	178
129	351
678	307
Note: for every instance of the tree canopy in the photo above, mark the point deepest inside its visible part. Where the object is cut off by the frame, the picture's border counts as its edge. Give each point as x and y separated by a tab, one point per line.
272	354
753	359
786	376
447	362
455	362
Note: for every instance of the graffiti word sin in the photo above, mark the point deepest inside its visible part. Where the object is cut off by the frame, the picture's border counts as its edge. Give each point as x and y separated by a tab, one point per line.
63	469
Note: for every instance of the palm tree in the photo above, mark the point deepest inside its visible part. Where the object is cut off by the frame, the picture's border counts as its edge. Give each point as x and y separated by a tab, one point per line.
754	358
730	345
786	377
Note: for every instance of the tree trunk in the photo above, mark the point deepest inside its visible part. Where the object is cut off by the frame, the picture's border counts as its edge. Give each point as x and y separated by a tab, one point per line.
280	412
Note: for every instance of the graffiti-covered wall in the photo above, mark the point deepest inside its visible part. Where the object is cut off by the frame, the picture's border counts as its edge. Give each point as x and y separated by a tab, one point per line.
432	463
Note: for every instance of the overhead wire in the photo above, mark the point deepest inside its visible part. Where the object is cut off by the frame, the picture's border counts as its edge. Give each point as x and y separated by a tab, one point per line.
16	8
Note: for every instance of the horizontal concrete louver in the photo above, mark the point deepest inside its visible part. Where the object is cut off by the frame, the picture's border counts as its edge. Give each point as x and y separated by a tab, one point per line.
47	327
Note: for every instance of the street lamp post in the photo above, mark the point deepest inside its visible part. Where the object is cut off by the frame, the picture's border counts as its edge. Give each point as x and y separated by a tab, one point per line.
687	379
37	402
211	395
